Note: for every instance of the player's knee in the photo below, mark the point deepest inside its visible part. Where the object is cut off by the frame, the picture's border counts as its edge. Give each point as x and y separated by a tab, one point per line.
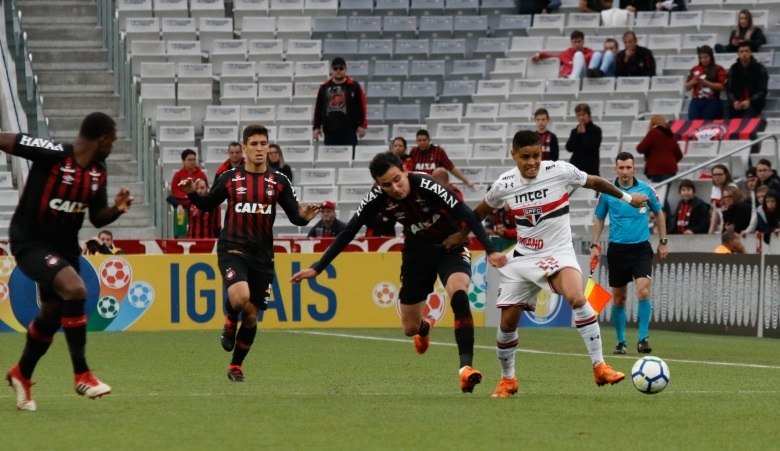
411	330
73	292
576	301
643	293
249	320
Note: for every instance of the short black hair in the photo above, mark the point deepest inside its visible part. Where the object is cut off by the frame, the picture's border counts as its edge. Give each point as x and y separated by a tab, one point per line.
686	183
542	111
254	129
97	124
577	34
624	156
525	138
422	132
186	153
233	144
744	44
382	162
765	162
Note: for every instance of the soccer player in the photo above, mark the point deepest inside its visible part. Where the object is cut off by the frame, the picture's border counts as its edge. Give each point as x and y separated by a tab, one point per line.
65	181
629	254
538	194
430	213
245	252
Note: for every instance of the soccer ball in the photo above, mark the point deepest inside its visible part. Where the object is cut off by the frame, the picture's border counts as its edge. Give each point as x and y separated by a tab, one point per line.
650	375
141	295
115	273
108	307
7	265
384	294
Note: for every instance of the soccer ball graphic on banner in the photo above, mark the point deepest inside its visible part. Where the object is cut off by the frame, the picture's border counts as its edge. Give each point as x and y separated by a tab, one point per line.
108	307
141	295
384	294
650	375
115	273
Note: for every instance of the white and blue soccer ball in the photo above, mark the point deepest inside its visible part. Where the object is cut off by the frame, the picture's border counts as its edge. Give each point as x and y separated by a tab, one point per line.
140	295
650	375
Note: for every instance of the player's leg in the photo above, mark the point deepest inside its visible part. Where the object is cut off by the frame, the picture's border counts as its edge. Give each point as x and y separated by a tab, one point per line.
619	262
506	350
455	274
619	317
243	335
568	282
418	274
231	266
642	273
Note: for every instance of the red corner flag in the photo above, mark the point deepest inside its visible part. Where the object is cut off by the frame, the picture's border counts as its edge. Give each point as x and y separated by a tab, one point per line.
596	295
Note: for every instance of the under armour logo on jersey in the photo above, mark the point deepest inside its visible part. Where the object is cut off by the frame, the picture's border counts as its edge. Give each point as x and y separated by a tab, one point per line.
597	337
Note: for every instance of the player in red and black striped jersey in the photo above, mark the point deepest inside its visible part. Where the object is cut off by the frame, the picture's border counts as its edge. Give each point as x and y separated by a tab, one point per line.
430	214
245	253
426	157
65	181
203	224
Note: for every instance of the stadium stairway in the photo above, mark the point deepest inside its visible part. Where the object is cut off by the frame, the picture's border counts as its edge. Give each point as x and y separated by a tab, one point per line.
74	79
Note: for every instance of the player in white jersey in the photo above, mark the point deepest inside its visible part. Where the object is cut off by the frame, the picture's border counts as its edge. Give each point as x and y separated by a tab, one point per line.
538	193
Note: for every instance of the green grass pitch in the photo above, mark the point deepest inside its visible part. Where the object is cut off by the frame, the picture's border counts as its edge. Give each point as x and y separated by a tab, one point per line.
366	389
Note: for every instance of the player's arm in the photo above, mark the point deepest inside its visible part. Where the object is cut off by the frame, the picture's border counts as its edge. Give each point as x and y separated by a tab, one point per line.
474	223
460	175
7	142
602	185
660	222
299	214
335	248
216	195
104	215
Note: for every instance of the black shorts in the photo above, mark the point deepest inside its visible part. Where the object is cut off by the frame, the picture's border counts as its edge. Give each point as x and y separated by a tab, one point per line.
627	262
420	266
240	268
41	262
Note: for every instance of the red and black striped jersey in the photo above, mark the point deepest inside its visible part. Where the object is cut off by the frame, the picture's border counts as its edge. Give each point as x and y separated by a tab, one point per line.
252	198
203	224
428	160
57	194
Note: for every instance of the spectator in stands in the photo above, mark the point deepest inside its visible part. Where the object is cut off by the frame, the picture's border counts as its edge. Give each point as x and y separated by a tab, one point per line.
653	5
750	182
203	224
93	246
634	60
730	243
399	147
276	161
721	178
735	209
189	170
107	239
329	225
769	216
758	200
426	157
548	139
380	225
574	60
692	214
603	63
234	160
501	222
584	142
340	108
661	150
706	81
766	175
594	6
745	32
746	85
442	176
538	6
612	16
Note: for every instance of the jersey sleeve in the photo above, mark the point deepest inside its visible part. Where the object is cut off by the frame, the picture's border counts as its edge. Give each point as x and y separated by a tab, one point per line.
573	176
653	200
216	195
602	207
38	149
289	202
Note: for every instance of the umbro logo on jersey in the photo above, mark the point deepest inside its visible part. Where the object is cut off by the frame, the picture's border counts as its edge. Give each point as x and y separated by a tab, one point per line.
271	181
241	190
237	178
67	169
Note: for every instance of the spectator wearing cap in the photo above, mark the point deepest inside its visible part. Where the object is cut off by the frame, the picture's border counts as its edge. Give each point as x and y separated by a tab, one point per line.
340	109
328	226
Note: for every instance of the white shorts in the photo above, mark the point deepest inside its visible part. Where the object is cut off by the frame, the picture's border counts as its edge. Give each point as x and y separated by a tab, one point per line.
523	277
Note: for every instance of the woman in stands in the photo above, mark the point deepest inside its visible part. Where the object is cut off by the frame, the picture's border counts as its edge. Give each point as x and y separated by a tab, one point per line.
706	81
276	161
735	209
399	148
661	150
769	216
745	32
721	178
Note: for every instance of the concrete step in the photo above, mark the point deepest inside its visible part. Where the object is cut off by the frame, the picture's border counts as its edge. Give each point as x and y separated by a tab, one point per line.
79	112
121	167
56	11
59	66
93	103
44	32
70	56
67	128
76	77
96	88
48	44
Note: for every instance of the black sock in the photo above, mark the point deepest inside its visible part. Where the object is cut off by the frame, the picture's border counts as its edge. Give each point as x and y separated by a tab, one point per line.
230	312
464	327
244	340
74	323
425	328
39	337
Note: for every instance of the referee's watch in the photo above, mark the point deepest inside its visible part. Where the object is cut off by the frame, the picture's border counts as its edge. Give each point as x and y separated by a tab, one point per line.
663	241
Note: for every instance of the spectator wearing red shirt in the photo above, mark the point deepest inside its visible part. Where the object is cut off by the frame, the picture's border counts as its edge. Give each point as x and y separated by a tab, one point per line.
661	150
574	60
399	148
706	81
426	157
203	224
189	170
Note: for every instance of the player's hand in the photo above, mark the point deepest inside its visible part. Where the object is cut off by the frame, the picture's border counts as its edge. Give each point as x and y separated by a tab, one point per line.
595	254
123	200
187	185
497	259
455	240
361	132
308	211
638	200
316	134
307	273
663	251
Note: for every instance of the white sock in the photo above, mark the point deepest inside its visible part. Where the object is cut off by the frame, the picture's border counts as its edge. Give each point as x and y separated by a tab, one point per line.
588	327
506	346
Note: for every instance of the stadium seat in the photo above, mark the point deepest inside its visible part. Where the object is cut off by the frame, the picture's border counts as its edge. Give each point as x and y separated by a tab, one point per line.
257	27
375	113
238	93
275	71
355	176
412	48
299	155
391	70
207	8
509	68
451	132
237	72
201	73
274	93
376	48
516	110
132	8
403	113
375	134
461	7
494	132
333	156
183	52
316	176
525	46
556	108
260	50
170	8
329	27
562	89
227	50
399	27
544	68
667	107
222	115
157	72
406	131
480	112
692	41
352	194
142	28
489	154
492	47
547	25
364	27
475	69
598	88
146	52
293	27
197	96
364	153
664	44
316	194
685	21
445	112
219	135
650	21
588	23
172	115
305	92
176	136
387	90
458	90
294	114
256	114
491	91
459	153
320	7
425	8
526	89
312	70
511	25
424	69
154	95
211	29
285	8
435	27
391	7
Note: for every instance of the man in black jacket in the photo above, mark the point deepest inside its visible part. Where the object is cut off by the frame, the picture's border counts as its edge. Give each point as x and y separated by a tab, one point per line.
692	215
634	60
746	85
340	109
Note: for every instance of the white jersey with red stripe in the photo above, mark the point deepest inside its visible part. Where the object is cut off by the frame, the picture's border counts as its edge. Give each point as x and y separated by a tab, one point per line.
540	205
